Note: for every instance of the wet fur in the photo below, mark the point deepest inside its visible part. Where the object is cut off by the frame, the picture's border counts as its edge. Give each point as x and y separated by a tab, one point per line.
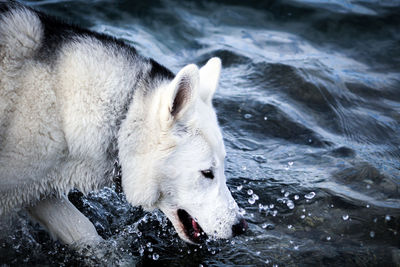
51	136
72	102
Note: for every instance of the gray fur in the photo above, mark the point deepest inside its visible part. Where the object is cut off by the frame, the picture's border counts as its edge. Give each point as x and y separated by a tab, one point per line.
73	101
36	149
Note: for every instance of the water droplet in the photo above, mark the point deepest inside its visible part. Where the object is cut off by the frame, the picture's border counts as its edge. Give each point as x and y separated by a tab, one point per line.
249	192
286	194
368	206
310	195
271	206
155	256
255	197
282	190
141	251
296	247
258	253
264	225
274	213
290	204
251	201
328	238
290	226
303	216
372	234
296	197
345	217
244	168
265	118
368	186
239	187
242	211
148	244
387	218
247	116
290	163
375	220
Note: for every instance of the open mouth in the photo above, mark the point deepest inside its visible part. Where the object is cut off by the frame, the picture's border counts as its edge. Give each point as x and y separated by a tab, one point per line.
191	228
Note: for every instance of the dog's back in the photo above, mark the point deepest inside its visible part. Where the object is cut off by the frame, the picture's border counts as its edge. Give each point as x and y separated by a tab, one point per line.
31	140
61	91
21	33
20	37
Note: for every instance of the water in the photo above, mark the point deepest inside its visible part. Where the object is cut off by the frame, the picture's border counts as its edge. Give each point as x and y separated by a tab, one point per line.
309	104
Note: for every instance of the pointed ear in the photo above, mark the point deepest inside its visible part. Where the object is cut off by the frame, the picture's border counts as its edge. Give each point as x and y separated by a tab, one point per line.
180	94
209	78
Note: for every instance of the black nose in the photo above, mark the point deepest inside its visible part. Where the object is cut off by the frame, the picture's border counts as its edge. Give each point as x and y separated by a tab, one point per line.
239	228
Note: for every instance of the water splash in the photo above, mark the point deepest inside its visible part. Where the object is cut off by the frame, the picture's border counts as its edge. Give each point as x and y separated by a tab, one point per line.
310	195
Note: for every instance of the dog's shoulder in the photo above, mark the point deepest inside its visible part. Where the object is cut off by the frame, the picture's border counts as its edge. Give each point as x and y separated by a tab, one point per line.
20	30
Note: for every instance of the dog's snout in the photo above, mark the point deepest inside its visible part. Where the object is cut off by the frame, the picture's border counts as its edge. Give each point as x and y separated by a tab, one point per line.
240	227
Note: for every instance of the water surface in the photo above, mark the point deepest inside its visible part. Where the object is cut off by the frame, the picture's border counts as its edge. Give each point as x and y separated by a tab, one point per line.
309	103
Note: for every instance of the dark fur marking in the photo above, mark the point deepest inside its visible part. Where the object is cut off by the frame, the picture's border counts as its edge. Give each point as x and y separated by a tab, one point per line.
159	71
57	33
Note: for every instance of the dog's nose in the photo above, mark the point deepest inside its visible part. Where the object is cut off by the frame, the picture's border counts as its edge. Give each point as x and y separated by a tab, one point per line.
239	228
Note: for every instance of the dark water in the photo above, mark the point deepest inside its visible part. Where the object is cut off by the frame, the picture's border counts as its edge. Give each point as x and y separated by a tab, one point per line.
309	103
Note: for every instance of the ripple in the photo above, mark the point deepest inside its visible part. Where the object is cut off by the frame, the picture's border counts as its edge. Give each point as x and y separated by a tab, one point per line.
313	83
228	58
278	125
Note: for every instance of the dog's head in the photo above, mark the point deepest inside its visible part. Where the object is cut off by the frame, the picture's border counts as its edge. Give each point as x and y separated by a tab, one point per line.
172	156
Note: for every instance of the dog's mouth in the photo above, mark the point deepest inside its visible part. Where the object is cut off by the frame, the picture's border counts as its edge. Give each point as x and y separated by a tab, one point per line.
191	228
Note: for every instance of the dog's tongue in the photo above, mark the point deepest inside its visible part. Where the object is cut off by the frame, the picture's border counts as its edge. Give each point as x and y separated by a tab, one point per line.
196	228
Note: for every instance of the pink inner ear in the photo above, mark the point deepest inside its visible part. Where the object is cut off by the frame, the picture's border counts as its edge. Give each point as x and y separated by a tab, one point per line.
182	97
196	228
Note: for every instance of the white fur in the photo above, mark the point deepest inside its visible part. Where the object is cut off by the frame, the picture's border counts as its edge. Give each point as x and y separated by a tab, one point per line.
165	173
59	122
209	76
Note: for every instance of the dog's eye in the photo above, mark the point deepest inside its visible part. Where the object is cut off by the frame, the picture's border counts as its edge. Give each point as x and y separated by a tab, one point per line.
208	174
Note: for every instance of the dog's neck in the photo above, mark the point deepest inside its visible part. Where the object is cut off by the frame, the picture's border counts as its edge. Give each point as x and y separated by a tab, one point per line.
139	99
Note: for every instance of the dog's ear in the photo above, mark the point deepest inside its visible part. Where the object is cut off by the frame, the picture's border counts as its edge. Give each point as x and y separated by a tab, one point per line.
180	94
209	78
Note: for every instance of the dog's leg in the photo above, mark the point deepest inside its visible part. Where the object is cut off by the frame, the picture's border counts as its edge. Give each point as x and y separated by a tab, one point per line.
64	221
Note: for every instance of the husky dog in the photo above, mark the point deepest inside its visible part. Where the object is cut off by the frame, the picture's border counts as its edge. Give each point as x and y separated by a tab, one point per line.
72	102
